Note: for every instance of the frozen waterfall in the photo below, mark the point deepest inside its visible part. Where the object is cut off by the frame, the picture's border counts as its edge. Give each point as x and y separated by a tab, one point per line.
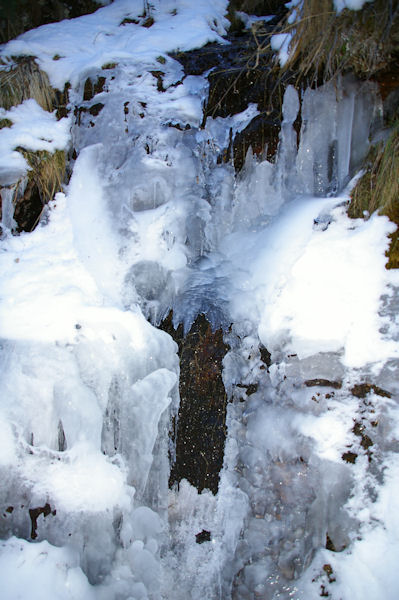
153	221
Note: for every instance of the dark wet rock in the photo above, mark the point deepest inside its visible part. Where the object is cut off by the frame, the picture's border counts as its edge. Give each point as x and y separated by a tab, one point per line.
262	135
93	87
61	101
34	514
128	21
366	442
349	457
328	570
28	208
78	113
96	109
249	389
240	73
259	8
179	126
323	383
203	536
265	355
18	16
329	544
149	22
362	389
201	429
159	77
323	592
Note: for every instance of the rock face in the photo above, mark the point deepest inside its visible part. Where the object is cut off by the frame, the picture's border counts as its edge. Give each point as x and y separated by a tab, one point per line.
201	430
17	16
241	74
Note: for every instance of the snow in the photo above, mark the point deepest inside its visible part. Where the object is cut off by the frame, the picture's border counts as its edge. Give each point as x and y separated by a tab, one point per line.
250	20
44	570
280	42
351	4
89	387
32	129
84	481
331	300
91	41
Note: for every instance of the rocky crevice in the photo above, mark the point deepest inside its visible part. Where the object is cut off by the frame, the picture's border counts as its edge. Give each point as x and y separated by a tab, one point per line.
201	424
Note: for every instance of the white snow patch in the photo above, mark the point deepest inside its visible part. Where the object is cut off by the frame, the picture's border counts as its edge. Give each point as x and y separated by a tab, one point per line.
44	570
90	41
33	129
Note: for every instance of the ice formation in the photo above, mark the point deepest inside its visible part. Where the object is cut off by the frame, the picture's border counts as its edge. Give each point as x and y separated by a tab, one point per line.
89	386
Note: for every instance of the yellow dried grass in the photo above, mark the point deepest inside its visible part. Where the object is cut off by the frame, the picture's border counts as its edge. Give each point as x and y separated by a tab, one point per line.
47	171
378	189
24	80
325	43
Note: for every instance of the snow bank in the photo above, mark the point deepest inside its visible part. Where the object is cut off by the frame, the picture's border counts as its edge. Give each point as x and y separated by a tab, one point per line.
32	129
93	40
44	570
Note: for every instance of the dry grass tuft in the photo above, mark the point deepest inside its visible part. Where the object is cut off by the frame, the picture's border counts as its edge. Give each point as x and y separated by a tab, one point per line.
5	123
378	189
24	80
47	172
325	43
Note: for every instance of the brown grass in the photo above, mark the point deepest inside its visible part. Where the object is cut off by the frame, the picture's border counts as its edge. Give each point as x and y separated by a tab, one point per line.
47	172
25	80
378	189
325	43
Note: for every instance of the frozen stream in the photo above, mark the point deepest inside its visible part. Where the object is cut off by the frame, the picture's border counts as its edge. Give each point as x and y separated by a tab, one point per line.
150	221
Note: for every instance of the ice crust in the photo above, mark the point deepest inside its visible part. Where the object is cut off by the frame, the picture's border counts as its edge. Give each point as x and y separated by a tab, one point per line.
150	221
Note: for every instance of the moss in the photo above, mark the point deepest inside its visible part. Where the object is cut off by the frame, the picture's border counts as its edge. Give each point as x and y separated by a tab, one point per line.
378	189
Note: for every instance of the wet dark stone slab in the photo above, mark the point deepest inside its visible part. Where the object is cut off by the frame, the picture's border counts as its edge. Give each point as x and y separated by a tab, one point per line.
241	73
201	432
323	383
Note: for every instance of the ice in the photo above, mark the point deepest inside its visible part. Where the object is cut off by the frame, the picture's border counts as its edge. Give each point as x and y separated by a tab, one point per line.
330	149
95	241
89	387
